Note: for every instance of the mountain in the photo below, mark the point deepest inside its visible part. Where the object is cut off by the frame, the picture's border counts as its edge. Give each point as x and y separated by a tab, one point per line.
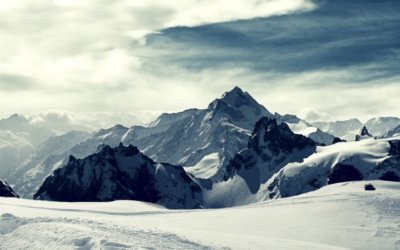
162	124
381	125
6	190
364	134
51	154
393	133
347	161
302	127
346	129
270	147
201	140
14	150
121	173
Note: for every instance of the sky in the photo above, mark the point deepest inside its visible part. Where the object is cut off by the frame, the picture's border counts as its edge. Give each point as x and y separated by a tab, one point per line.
320	59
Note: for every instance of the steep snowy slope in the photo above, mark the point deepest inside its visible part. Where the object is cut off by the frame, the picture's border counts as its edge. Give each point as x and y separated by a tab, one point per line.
270	148
347	129
6	190
381	125
51	154
339	216
363	160
158	126
121	173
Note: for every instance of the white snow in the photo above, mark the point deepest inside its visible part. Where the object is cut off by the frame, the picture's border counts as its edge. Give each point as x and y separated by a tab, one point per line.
207	166
340	216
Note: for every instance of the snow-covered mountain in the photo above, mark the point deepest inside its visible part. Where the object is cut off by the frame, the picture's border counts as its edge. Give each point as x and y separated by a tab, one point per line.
6	190
51	154
364	134
121	173
270	148
302	127
14	150
202	140
346	129
22	127
381	125
392	133
367	159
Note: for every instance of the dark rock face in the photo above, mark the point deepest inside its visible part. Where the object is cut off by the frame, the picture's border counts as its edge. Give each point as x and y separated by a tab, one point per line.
337	140
121	173
394	148
369	187
6	190
343	173
390	176
365	132
270	147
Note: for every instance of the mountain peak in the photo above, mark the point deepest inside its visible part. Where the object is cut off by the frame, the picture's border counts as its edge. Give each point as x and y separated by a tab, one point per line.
17	117
237	98
365	132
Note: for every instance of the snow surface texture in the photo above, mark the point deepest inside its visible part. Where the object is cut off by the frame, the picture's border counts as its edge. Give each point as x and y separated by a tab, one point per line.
339	216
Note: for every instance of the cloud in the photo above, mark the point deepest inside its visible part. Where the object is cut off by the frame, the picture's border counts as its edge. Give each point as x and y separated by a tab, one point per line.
312	115
91	56
83	54
10	82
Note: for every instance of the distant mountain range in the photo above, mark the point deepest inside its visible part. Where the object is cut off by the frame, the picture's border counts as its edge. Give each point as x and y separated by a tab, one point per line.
233	152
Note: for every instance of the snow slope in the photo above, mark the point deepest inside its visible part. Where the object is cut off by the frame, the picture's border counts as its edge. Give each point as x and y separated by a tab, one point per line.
367	159
340	216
